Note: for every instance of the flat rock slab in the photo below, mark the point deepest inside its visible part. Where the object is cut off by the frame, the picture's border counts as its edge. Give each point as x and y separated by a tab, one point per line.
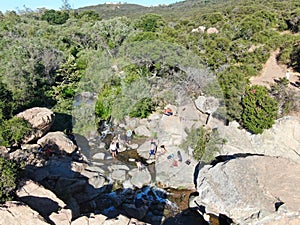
173	171
248	189
139	178
282	140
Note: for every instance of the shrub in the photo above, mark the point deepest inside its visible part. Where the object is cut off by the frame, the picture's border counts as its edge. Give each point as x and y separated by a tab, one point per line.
103	108
259	109
8	179
142	108
12	131
55	17
205	143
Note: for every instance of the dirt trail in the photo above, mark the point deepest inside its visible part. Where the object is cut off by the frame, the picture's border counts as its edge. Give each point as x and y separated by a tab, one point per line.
273	71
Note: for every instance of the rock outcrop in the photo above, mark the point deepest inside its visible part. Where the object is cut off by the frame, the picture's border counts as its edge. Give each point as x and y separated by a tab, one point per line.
212	30
282	140
250	190
16	213
58	140
40	119
207	104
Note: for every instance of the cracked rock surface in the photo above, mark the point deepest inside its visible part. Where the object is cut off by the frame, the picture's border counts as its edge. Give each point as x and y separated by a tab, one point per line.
252	189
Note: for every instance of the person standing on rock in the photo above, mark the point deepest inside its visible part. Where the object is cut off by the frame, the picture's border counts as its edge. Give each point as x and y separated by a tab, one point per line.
287	74
113	148
152	150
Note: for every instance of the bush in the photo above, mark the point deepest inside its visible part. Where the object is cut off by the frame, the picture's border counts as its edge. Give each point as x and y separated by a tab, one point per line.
103	108
8	179
205	143
259	109
142	108
12	131
55	17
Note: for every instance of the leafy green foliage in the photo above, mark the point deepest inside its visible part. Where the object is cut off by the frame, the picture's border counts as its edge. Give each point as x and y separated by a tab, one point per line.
55	17
8	179
12	131
150	23
205	143
143	108
5	102
108	94
259	109
41	64
233	83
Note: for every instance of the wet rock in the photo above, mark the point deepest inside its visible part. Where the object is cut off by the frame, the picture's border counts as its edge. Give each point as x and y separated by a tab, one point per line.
99	156
119	175
132	211
248	189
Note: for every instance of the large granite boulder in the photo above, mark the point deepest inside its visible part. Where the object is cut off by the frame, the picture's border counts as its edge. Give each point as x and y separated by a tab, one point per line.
16	213
282	140
250	190
59	140
207	104
40	119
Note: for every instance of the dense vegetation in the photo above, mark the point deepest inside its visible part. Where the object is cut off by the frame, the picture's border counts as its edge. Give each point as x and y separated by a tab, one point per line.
8	179
134	63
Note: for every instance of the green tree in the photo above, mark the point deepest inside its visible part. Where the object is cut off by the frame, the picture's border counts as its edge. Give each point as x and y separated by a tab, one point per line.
8	179
5	101
12	131
55	17
142	108
150	23
259	109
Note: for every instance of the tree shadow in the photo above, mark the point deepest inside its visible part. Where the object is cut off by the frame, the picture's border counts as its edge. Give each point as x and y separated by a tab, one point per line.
62	122
44	206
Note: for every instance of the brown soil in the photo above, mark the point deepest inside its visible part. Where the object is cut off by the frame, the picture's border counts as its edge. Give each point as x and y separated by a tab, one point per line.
272	71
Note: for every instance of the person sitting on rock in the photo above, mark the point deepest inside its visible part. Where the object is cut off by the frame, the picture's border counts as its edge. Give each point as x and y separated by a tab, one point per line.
163	148
140	165
113	148
168	112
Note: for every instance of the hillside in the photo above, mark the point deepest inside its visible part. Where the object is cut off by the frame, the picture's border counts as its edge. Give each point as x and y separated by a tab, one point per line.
110	73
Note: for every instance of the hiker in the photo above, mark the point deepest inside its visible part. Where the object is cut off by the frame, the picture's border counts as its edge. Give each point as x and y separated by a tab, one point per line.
168	112
287	74
152	150
129	136
140	165
45	151
113	148
163	148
